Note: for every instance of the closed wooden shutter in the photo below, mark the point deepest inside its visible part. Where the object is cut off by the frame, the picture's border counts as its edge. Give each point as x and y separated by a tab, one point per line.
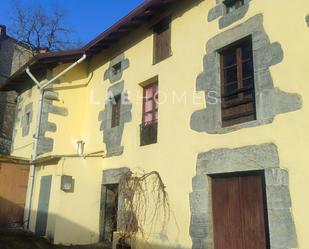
162	40
238	213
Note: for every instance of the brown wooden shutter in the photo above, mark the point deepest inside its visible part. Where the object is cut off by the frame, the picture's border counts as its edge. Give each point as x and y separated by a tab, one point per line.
162	40
238	213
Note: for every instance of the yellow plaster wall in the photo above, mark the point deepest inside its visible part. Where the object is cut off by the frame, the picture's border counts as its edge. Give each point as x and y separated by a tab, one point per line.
46	170
174	156
72	95
23	145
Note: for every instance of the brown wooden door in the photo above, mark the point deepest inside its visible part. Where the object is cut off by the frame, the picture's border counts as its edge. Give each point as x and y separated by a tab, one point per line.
13	189
238	212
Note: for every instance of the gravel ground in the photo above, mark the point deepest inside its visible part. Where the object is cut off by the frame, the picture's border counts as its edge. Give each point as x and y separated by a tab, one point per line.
18	239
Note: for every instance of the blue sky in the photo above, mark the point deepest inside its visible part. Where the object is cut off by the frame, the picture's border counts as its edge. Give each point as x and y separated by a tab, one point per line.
87	17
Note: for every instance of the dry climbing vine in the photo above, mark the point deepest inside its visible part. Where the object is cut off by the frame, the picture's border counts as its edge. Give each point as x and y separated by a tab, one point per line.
144	206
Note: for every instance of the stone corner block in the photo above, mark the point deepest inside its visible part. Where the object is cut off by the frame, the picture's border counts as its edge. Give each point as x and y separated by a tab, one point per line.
307	20
113	176
282	229
276	176
215	12
234	16
278	197
200	182
255	157
199	202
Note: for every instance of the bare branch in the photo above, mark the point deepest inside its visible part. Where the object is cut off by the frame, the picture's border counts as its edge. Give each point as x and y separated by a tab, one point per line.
41	28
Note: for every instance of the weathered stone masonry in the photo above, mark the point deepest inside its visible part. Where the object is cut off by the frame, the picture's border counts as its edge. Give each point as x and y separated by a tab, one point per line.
227	19
27	119
7	114
112	136
250	158
111	177
12	56
113	76
46	144
270	100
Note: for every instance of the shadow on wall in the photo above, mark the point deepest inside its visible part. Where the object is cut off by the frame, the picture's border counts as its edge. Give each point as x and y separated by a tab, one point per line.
11	214
67	232
139	35
6	58
7	117
60	230
141	244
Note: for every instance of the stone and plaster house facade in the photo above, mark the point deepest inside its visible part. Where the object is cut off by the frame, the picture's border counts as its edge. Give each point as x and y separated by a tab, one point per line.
13	55
196	147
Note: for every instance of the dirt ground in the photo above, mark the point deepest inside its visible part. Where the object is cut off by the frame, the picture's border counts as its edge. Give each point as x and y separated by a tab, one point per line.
18	239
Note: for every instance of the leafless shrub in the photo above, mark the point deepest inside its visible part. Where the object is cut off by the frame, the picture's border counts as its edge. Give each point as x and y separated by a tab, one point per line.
41	29
145	204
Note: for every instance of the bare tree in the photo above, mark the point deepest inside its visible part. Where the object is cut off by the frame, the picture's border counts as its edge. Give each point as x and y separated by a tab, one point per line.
42	28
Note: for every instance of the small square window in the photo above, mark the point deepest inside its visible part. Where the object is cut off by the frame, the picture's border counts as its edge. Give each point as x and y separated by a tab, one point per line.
232	5
116	105
116	69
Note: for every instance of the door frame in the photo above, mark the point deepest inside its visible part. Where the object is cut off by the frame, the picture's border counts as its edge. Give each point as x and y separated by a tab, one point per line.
263	157
109	177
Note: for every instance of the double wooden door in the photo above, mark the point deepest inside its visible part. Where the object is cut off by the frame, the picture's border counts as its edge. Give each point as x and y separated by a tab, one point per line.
239	212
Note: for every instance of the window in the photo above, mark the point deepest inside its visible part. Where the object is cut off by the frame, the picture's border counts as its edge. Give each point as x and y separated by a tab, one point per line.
237	84
162	40
116	111
232	5
150	115
116	69
28	118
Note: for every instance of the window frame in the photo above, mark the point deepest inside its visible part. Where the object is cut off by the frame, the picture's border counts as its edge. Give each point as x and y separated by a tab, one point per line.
28	118
116	109
241	102
155	110
231	3
149	130
116	69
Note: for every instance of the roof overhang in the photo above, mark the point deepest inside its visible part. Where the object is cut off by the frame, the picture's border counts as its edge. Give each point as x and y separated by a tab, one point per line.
145	13
14	160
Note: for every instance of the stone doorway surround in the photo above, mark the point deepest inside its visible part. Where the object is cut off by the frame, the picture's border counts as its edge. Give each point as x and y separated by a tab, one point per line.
282	232
110	177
